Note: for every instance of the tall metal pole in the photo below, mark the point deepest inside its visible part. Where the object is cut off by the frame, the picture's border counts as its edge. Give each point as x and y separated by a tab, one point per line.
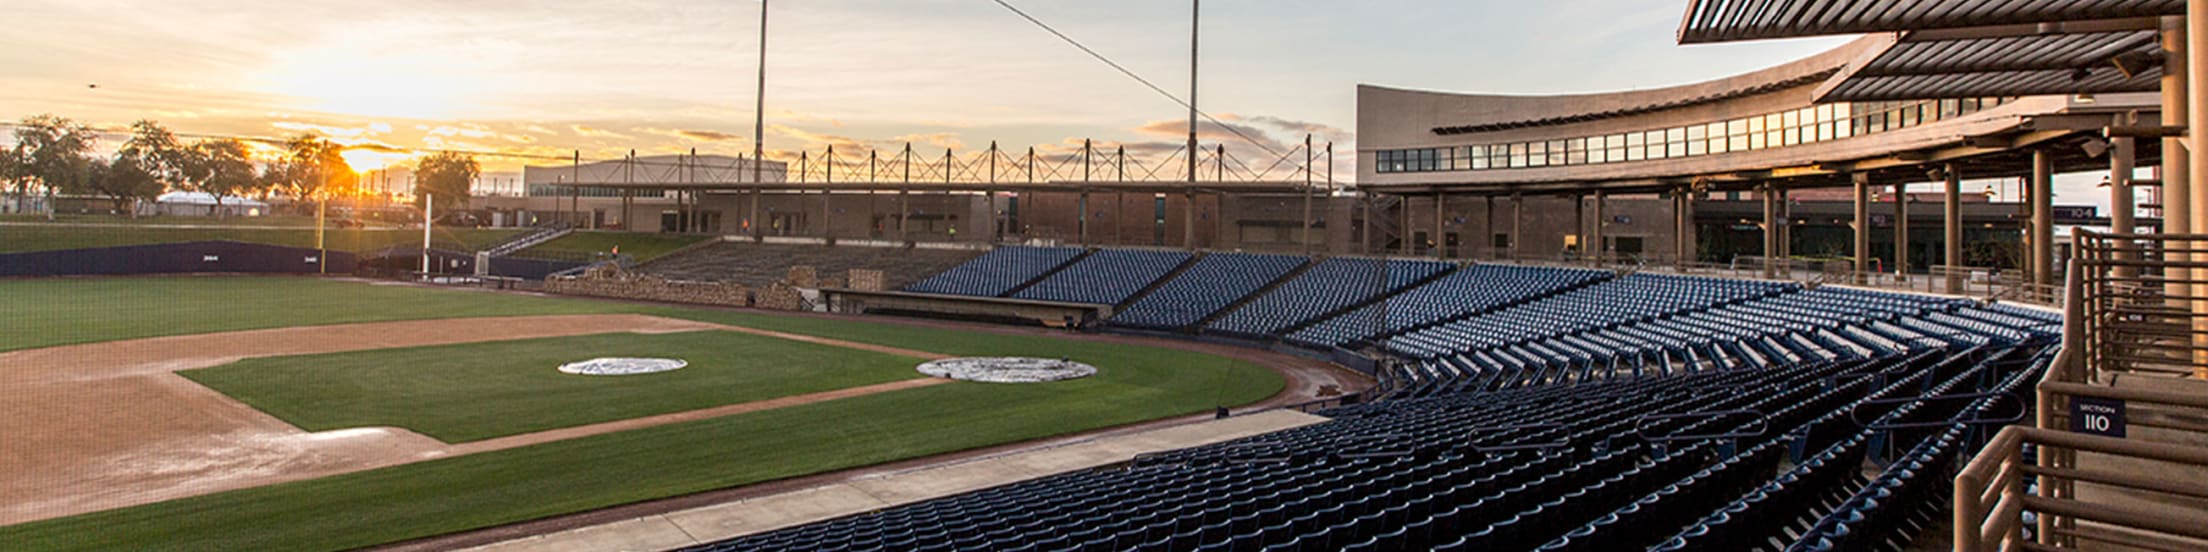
1087	154
759	128
574	191
429	217
904	196
1188	216
1119	195
994	225
1307	154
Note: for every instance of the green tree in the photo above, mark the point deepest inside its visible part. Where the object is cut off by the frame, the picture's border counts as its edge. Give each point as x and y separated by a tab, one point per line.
447	176
154	149
11	178
313	167
124	181
220	168
53	152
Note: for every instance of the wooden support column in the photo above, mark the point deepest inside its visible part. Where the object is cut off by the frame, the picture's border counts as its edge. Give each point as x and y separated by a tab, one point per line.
1517	226
1953	217
2121	155
1862	226
1601	249
1901	232
1770	230
1440	216
2043	219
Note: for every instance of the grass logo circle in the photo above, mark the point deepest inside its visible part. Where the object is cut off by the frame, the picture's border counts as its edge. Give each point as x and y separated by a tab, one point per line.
1007	369
623	366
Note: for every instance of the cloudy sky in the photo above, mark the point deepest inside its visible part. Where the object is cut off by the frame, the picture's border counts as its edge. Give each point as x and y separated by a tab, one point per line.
550	77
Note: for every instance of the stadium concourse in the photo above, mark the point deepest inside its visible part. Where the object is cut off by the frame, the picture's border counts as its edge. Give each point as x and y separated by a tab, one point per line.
1520	407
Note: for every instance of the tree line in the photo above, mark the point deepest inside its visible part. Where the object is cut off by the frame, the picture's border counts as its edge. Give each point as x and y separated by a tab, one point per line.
55	155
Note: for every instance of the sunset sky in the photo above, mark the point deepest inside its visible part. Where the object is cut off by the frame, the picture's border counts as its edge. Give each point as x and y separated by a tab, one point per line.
549	77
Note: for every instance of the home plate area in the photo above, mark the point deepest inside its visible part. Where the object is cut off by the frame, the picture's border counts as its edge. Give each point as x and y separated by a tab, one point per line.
1007	369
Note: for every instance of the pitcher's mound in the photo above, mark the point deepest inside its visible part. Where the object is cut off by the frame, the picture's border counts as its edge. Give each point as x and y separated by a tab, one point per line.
1007	369
623	366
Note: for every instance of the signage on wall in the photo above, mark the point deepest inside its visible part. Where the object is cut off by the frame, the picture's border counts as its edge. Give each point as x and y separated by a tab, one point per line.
2097	416
2076	212
1621	219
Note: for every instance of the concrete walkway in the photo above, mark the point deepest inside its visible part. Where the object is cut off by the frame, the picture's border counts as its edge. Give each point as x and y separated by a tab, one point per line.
757	515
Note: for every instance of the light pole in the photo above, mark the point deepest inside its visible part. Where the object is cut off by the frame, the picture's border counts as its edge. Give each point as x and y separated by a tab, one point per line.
759	126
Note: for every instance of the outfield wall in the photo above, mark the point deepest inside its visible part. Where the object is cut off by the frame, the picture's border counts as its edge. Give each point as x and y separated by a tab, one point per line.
177	258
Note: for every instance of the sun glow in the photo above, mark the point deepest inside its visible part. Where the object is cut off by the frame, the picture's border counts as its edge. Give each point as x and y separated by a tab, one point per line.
373	79
364	160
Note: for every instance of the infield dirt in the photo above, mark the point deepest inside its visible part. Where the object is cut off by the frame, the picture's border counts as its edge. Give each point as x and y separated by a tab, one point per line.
107	425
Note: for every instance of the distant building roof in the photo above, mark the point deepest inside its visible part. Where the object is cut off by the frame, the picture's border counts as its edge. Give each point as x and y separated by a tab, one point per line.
204	198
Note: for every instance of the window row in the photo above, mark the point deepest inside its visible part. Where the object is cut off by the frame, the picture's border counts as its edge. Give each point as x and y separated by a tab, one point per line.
1773	130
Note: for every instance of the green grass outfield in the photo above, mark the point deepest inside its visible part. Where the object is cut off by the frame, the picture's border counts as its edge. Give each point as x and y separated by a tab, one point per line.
23	238
473	491
475	391
641	245
60	311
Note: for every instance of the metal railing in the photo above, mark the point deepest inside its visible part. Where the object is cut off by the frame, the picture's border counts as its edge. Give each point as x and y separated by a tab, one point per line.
2122	298
1994	490
2142	293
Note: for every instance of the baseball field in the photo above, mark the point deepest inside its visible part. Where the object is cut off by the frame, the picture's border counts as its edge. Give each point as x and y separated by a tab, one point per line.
227	413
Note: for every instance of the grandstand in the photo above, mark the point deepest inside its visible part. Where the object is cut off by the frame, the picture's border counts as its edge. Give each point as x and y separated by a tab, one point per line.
1210	284
1540	409
1106	277
998	272
1329	286
1530	408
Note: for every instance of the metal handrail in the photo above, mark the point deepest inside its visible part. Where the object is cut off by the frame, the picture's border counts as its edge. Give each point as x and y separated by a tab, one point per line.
1990	496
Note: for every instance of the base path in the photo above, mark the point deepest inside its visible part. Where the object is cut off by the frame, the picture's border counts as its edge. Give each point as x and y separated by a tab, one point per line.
106	425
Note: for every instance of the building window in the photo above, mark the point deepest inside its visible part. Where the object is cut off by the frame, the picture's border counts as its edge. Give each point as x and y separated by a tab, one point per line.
1805	125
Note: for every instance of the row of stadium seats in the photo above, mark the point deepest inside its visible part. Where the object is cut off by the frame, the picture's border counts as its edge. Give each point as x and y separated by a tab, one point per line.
1331	285
1475	289
1632	298
1212	283
1540	409
1684	462
1108	276
997	272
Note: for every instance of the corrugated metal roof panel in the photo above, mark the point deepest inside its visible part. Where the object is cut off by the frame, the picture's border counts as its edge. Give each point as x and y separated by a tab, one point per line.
1731	20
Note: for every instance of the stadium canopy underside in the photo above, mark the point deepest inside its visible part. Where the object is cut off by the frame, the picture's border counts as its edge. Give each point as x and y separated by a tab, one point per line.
2081	51
1710	21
